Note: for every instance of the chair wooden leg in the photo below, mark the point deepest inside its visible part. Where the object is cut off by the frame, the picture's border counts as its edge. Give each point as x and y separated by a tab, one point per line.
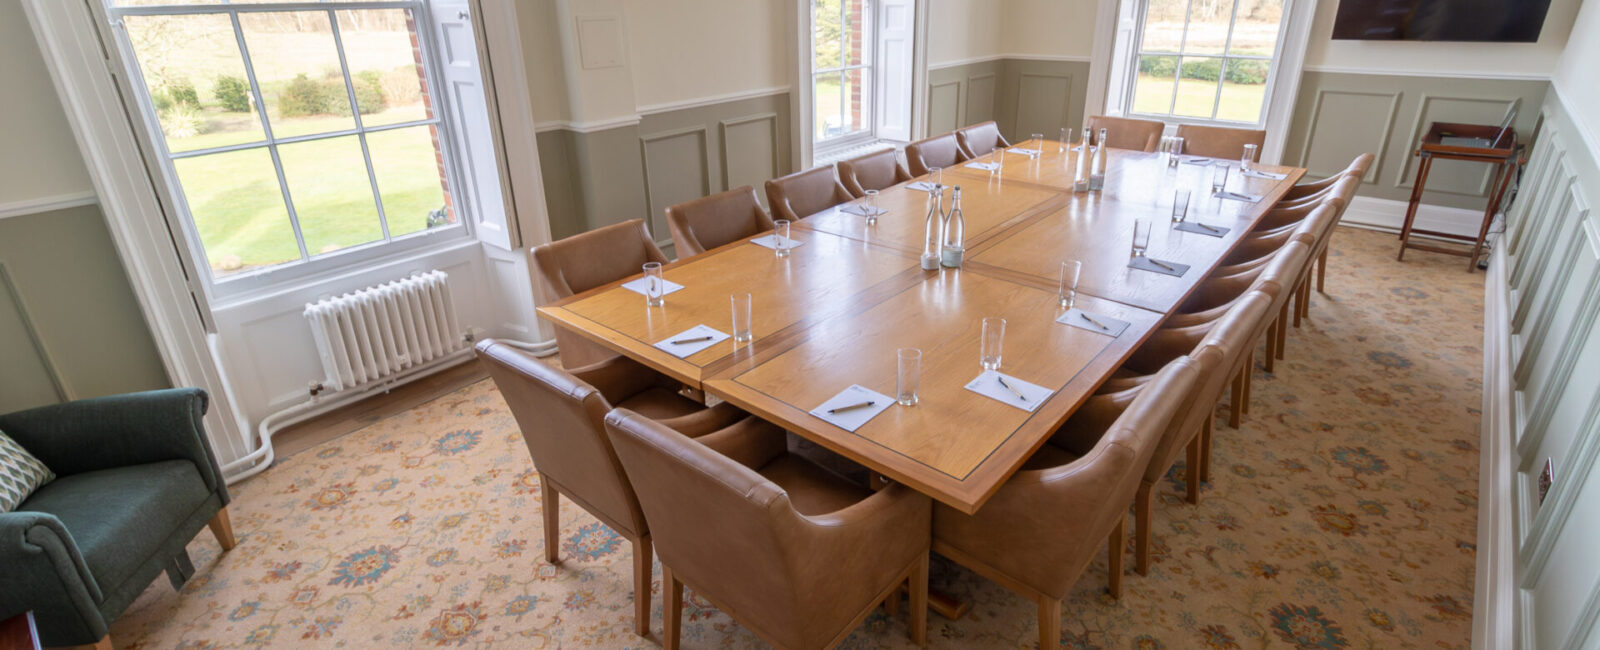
1305	298
671	608
1115	543
551	503
1236	401
1322	269
1049	623
1143	514
1249	378
222	527
919	602
1191	471
1205	450
891	605
1299	303
643	562
1272	350
1281	329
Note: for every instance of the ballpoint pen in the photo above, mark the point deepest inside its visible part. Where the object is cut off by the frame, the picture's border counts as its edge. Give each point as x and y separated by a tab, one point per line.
1158	263
1092	320
852	407
1002	381
1210	228
693	340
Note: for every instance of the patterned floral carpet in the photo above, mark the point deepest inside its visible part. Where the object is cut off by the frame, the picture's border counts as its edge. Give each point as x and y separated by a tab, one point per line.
1343	514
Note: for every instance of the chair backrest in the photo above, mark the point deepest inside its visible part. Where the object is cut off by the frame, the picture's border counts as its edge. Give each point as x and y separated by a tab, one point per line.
980	139
802	194
937	151
585	261
1219	141
1128	133
720	525
711	221
873	171
562	420
1221	348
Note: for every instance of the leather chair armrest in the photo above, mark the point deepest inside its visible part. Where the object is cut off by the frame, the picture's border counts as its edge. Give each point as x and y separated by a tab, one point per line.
705	421
1091	421
118	431
751	442
1304	190
619	378
45	573
892	525
1165	345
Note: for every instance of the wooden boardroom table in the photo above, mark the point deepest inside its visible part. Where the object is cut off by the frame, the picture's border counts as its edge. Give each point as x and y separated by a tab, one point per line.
833	313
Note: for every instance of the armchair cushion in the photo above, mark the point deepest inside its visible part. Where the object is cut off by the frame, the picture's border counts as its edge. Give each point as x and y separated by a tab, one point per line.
20	473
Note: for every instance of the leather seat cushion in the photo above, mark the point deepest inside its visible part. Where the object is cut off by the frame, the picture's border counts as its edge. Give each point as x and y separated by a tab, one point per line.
812	489
660	404
1049	456
118	517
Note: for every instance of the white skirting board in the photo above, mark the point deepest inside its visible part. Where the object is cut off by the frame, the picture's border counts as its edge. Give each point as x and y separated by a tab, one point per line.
1495	594
1389	215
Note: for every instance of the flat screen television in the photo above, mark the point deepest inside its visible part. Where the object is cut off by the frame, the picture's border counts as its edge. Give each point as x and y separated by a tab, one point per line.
1509	21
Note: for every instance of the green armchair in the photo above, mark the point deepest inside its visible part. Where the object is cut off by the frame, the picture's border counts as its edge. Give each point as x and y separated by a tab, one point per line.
135	481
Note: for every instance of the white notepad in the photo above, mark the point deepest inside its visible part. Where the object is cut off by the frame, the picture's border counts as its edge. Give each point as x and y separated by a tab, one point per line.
1024	152
639	285
921	186
853	419
684	350
861	210
771	241
1262	174
985	166
1236	196
988	385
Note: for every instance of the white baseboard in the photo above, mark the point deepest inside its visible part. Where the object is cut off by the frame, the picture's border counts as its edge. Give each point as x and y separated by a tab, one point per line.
1389	215
1495	598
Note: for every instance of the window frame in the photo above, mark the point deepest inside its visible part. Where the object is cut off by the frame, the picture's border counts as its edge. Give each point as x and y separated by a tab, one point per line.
869	69
1138	52
309	265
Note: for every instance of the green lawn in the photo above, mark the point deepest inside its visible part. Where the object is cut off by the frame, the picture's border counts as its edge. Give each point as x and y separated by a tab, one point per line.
1240	102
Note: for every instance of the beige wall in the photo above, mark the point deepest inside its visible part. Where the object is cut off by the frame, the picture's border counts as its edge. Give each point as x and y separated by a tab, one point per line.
1575	76
38	157
1441	59
1048	28
960	30
689	49
541	57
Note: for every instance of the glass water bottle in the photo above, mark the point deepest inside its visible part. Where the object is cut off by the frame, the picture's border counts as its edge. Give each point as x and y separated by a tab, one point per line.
1080	175
932	235
1097	172
955	246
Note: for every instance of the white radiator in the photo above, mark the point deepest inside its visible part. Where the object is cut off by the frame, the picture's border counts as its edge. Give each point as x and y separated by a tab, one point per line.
381	331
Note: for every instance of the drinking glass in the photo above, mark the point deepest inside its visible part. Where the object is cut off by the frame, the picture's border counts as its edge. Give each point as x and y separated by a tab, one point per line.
741	317
654	288
909	377
1141	237
1066	139
1180	206
780	237
1038	144
1068	291
1249	157
1176	147
936	175
994	336
872	207
1219	178
999	160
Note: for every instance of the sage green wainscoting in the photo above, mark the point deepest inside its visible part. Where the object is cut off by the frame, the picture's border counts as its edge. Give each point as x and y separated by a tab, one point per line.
607	176
70	326
1338	116
1022	96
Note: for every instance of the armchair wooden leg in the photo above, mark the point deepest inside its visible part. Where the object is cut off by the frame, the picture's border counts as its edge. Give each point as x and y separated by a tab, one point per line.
1236	401
1272	350
1191	472
1299	302
1205	450
222	527
1116	543
671	608
1143	513
919	602
1322	269
1249	378
1281	329
642	564
550	502
1049	623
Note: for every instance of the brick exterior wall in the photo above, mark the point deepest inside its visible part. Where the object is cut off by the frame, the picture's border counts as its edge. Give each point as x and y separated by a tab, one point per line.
433	129
857	21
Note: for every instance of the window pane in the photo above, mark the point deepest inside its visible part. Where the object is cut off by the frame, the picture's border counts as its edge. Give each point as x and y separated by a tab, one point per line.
1163	25
828	112
1153	92
1255	32
1244	91
1197	87
332	196
297	66
386	70
1208	27
196	80
409	180
238	210
857	33
826	36
857	93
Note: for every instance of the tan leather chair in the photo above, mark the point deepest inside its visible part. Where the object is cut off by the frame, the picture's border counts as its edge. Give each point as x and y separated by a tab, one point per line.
1220	141
1041	529
874	171
1191	428
789	549
980	139
1357	168
802	194
708	222
937	151
587	260
562	420
1128	133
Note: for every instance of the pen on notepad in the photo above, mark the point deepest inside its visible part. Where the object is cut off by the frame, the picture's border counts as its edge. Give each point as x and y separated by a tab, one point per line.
693	340
1002	381
852	407
1210	228
1158	263
1092	320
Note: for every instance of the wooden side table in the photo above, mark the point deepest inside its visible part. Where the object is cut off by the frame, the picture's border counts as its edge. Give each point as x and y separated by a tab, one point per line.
19	633
1502	153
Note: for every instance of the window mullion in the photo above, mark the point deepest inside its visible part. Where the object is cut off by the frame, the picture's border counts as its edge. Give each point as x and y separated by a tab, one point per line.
266	129
355	112
1222	72
1177	71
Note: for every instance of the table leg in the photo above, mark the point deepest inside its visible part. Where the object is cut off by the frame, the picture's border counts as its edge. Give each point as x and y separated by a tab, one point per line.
1416	198
1503	183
